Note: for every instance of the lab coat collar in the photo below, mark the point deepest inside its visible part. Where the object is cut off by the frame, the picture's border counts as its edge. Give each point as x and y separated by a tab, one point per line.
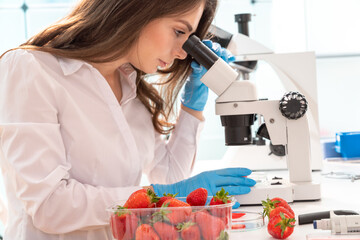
129	73
129	89
70	66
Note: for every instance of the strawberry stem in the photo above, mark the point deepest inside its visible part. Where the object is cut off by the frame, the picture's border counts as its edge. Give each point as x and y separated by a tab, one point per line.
184	225
222	196
121	211
153	197
268	206
170	195
223	236
284	223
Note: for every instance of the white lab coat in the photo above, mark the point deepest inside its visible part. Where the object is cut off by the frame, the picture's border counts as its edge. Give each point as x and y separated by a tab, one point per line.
69	150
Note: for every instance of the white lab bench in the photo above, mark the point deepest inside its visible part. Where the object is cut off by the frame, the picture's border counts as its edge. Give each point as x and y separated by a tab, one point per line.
337	194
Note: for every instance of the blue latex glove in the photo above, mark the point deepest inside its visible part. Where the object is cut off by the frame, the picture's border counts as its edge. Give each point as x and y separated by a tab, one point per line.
231	179
196	93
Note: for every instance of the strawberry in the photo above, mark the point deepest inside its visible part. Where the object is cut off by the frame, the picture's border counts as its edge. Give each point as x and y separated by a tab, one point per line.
197	197
278	210
174	215
281	226
189	231
142	199
281	202
123	224
273	203
221	197
165	197
166	231
146	232
211	227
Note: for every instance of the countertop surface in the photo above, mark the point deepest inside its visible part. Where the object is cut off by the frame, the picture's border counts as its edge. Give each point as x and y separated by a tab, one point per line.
337	193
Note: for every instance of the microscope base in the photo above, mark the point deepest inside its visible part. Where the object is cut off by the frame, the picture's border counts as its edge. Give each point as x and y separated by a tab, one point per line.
290	192
305	191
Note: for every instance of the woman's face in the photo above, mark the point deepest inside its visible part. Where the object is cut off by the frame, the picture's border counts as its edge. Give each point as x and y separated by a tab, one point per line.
161	41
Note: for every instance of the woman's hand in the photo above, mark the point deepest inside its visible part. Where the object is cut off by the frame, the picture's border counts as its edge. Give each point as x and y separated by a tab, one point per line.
233	180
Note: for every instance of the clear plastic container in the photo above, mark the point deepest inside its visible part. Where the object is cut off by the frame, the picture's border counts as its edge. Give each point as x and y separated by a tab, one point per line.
211	222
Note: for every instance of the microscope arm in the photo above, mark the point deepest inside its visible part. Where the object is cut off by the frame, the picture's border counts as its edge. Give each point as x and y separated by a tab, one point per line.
297	72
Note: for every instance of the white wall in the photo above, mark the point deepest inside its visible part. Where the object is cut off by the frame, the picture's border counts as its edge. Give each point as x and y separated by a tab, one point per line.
328	27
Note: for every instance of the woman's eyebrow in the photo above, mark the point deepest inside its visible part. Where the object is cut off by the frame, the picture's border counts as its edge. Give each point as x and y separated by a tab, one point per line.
187	24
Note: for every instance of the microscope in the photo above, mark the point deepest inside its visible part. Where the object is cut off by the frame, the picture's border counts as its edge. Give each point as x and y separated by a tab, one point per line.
285	120
287	72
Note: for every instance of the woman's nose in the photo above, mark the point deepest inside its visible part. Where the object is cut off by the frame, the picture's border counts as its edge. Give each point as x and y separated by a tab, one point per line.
180	53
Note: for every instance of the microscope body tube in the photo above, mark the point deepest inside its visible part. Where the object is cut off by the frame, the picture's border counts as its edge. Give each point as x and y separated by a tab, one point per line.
219	75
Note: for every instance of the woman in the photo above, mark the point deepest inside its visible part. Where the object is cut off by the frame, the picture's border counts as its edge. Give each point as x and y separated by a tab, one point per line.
80	123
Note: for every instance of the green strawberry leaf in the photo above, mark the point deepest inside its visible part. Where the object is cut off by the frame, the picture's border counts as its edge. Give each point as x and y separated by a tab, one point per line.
121	211
153	197
184	225
170	195
223	236
222	196
160	216
285	223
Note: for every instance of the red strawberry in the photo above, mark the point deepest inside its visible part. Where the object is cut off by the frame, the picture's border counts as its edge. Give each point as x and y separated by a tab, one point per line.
123	224
142	199
221	197
189	231
166	231
281	226
273	203
280	209
164	198
174	215
197	197
211	227
146	232
281	202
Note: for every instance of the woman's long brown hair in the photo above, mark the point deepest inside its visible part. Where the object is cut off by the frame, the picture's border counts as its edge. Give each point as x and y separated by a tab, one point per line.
95	28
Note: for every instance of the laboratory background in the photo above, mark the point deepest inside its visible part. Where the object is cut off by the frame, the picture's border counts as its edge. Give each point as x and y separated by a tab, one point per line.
330	28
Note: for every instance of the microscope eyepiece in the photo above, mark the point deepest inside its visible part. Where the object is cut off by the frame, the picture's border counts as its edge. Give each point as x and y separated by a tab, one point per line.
202	54
243	19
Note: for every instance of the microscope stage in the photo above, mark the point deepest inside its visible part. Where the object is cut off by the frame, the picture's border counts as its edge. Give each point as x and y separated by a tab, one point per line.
279	187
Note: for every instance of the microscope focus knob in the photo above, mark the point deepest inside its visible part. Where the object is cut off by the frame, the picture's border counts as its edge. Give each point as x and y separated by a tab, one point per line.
293	105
